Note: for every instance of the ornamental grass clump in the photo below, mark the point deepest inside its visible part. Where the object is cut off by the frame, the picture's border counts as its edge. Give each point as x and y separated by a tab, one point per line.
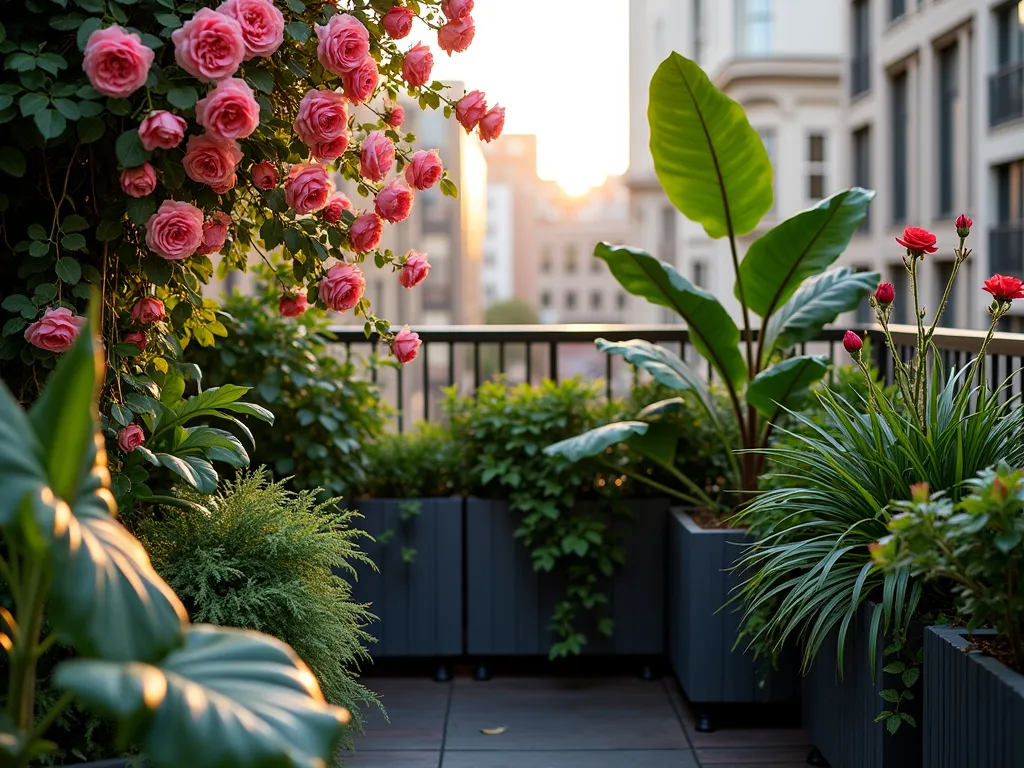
837	479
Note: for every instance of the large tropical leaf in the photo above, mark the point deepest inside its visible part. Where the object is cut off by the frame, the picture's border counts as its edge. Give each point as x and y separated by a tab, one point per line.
711	163
802	246
215	444
227	697
194	470
597	441
712	331
22	462
785	383
817	303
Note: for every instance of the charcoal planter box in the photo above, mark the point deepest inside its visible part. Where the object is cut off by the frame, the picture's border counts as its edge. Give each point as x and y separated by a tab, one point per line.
702	628
973	705
839	714
418	604
509	605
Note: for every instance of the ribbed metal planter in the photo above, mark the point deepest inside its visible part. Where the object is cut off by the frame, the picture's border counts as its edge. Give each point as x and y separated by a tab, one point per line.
703	629
973	706
839	714
419	603
509	605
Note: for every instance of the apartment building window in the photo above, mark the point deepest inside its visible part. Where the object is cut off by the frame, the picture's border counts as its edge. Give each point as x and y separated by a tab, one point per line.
898	278
620	301
949	108
897	8
545	259
699	274
860	62
698	30
753	27
862	166
770	146
667	235
900	159
572	258
865	315
545	299
595	300
1006	84
816	166
570	300
1006	240
596	266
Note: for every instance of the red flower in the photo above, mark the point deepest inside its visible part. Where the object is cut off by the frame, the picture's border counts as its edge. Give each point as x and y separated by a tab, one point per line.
886	294
919	240
963	225
852	342
1005	288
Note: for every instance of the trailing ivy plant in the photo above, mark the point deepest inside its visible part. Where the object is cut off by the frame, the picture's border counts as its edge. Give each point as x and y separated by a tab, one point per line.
715	170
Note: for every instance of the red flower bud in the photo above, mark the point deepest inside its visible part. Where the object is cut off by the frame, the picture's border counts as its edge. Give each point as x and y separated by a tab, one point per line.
919	493
886	294
852	342
921	241
1004	288
963	225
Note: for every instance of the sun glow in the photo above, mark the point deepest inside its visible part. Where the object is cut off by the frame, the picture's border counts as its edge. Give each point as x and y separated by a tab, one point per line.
563	76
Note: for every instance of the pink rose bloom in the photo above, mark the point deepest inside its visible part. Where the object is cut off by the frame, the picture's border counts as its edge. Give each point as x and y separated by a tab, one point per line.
424	169
175	231
342	287
161	129
456	9
492	123
415	269
398	22
139	181
406	345
264	175
343	43
130	438
417	64
138	338
212	160
293	304
215	233
322	120
55	331
393	202
471	109
230	110
337	203
148	310
116	62
261	22
366	232
360	83
210	46
396	116
377	156
456	35
307	187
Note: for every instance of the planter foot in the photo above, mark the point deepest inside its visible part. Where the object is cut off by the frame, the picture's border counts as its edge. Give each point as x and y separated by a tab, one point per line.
443	674
817	759
705	723
482	673
648	674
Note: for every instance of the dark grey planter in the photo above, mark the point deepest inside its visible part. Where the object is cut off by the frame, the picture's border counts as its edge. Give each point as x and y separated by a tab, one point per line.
839	714
419	603
509	605
973	705
702	629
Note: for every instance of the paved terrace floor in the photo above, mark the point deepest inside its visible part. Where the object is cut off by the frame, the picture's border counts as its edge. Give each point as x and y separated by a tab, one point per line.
558	723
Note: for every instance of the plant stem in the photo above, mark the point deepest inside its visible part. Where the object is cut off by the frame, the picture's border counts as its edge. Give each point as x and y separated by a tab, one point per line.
920	374
656	485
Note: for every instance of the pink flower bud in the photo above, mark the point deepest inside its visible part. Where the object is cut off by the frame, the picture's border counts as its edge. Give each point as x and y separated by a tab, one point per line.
886	293
406	345
130	438
853	343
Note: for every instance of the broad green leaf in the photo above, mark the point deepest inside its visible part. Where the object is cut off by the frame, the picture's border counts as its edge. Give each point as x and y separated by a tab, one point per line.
712	331
785	383
227	697
216	445
597	441
22	460
802	246
197	472
130	152
12	161
712	165
659	442
817	303
662	408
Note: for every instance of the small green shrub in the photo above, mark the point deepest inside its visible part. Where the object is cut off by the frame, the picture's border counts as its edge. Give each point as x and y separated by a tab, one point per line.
426	462
267	558
325	408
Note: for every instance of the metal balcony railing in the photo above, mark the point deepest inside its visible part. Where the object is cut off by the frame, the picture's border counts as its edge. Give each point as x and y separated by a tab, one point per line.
1006	249
466	356
1006	94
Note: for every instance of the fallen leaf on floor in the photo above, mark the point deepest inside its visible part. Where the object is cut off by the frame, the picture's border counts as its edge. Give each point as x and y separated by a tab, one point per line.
493	731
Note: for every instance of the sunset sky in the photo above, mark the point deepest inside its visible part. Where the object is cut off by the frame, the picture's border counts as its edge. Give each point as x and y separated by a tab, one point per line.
561	69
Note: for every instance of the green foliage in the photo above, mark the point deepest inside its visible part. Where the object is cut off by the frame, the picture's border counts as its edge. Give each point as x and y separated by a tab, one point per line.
511	312
70	566
426	462
326	408
975	544
715	170
264	558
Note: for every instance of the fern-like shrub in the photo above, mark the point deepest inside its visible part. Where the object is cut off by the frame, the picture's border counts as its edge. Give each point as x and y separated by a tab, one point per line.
269	559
